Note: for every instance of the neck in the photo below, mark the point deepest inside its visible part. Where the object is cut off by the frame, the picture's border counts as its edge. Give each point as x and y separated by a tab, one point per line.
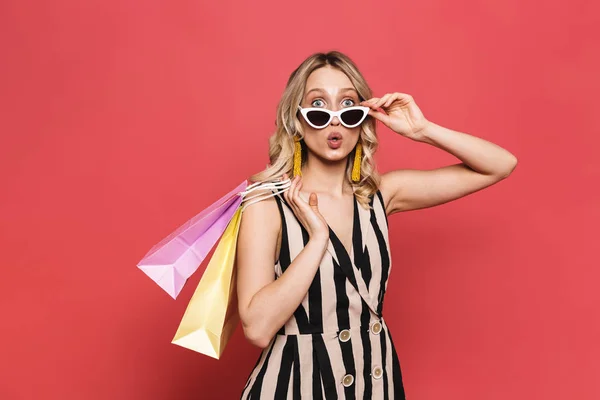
324	176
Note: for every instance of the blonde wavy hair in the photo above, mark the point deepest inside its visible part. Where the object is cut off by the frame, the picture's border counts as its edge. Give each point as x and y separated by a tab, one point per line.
281	143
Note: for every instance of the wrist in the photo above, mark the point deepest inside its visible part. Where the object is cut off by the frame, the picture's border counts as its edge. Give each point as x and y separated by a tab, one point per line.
320	238
424	134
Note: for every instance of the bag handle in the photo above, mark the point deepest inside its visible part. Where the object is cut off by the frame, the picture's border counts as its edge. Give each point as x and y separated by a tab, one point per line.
281	186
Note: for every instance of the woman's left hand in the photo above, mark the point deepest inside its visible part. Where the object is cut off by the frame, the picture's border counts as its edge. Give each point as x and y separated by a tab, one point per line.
401	114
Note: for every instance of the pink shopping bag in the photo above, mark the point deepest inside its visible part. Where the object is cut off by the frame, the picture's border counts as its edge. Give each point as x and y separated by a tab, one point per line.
175	258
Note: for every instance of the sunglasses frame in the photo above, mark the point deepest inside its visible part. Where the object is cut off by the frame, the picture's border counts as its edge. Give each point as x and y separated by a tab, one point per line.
305	111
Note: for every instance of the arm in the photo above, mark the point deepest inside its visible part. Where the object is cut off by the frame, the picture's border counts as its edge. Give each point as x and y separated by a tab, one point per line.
266	303
483	164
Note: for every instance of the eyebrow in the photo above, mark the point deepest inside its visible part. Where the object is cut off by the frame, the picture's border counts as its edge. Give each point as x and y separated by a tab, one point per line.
321	90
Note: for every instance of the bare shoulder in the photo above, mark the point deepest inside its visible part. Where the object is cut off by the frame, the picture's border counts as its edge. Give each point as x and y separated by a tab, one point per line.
260	228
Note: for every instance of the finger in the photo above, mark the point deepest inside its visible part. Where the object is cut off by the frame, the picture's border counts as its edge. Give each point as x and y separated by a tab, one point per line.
374	105
370	102
391	99
287	193
283	178
382	101
298	202
313	201
405	97
303	204
365	102
292	193
296	194
380	116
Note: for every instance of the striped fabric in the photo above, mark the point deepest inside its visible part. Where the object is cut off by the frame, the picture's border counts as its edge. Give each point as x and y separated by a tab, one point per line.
336	345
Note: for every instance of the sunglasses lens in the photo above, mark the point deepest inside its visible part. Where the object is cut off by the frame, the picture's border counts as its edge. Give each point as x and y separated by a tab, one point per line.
352	117
318	118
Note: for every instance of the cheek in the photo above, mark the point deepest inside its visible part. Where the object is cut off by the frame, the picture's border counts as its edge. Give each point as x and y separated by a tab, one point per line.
306	128
309	131
355	133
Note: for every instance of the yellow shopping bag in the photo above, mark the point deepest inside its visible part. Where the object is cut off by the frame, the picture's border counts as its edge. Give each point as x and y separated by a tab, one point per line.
212	313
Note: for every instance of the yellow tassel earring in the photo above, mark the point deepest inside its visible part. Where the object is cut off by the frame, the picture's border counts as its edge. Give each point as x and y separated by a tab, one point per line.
297	157
356	165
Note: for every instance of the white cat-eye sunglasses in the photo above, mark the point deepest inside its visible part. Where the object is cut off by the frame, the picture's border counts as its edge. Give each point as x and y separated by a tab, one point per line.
319	118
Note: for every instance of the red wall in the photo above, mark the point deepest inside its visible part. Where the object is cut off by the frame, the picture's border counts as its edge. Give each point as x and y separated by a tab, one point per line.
119	120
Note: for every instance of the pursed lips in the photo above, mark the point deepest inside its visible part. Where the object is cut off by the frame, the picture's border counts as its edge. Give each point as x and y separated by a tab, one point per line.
334	135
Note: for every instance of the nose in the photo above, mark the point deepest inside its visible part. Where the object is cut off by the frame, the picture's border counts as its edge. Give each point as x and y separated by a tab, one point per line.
335	121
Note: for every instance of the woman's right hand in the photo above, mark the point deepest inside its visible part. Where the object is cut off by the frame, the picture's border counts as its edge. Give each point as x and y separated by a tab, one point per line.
307	213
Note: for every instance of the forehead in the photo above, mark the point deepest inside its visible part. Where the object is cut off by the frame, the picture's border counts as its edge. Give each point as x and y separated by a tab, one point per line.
330	80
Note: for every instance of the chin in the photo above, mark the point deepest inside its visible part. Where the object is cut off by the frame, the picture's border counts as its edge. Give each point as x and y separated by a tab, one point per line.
335	154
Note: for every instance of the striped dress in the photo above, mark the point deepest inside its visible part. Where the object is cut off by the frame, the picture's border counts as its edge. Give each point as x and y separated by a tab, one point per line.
337	344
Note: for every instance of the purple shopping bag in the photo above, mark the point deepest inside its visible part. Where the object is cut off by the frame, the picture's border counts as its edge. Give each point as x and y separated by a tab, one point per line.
175	258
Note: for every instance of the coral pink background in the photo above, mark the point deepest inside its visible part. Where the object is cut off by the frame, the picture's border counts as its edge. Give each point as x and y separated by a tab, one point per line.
119	120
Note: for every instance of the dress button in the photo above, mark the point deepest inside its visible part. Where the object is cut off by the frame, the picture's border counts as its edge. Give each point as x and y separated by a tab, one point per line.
348	380
344	335
377	372
376	327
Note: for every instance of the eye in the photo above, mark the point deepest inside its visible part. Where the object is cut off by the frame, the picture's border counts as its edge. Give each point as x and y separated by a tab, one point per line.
348	103
317	103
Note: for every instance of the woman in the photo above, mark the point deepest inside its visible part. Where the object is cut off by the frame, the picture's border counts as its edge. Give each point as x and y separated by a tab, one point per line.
313	263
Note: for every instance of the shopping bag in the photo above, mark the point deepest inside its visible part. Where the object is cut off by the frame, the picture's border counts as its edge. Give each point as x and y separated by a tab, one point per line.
175	258
212	314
